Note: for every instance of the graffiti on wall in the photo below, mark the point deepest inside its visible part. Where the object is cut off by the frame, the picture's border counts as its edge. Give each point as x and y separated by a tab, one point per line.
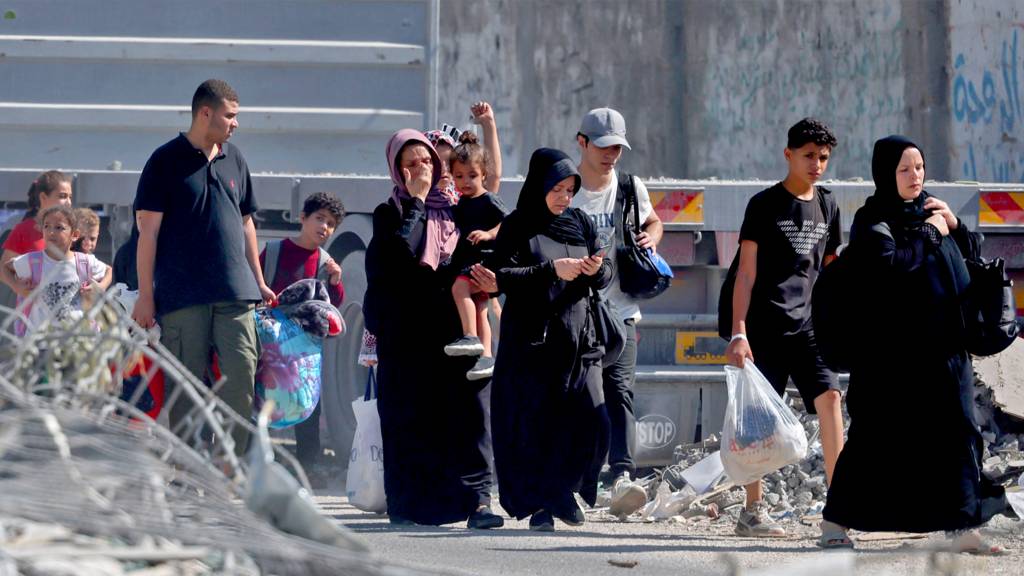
988	115
851	77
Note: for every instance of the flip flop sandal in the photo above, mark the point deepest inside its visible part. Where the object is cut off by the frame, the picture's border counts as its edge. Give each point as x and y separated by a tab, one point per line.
985	549
833	537
835	540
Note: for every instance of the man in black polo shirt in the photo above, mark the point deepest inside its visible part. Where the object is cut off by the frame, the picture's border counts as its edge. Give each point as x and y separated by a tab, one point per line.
198	264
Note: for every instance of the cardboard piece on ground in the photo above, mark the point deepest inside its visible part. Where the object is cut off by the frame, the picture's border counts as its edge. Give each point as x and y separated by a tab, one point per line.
885	536
704	474
1004	375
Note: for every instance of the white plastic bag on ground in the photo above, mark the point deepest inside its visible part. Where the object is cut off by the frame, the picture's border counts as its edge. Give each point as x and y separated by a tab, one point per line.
365	481
761	434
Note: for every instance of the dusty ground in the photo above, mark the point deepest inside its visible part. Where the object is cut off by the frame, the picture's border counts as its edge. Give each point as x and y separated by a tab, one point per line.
703	546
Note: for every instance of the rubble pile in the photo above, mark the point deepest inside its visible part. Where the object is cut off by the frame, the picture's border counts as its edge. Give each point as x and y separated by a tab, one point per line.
799	490
92	485
794	491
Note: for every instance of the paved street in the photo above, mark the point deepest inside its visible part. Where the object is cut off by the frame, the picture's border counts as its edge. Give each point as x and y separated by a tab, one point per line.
605	546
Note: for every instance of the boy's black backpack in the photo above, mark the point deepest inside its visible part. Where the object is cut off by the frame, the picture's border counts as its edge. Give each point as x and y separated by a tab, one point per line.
639	276
725	295
835	312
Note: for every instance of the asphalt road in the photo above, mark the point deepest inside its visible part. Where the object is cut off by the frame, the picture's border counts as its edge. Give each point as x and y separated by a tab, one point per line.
605	546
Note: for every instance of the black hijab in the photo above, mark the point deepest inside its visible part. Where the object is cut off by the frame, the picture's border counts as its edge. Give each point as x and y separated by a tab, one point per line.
548	167
886	204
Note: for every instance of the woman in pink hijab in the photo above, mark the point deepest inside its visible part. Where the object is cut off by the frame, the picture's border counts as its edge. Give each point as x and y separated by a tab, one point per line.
433	421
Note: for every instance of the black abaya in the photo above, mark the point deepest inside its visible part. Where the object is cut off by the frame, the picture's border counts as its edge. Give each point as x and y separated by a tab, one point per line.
910	398
436	450
549	423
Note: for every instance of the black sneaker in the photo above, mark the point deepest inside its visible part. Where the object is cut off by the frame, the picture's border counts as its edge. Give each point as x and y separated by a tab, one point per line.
484	519
465	346
541	521
483	369
569	511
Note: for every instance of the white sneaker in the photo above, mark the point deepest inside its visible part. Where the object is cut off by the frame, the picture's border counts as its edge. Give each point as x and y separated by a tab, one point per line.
627	497
756	523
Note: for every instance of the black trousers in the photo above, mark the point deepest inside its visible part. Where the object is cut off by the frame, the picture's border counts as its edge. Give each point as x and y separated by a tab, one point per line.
618	380
307	439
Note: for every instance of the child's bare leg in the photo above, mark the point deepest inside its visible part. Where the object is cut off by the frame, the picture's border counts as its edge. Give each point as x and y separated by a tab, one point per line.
496	306
464	301
482	322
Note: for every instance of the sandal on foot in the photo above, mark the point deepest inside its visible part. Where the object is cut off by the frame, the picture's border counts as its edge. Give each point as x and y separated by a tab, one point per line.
833	536
972	542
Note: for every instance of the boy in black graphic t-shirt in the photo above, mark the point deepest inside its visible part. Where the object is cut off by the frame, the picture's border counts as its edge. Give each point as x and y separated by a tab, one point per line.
789	232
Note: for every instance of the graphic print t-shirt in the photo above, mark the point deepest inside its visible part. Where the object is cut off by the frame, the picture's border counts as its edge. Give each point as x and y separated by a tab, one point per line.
61	298
600	206
793	237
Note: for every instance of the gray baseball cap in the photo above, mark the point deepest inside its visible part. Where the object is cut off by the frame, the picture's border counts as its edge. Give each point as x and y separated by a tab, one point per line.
604	127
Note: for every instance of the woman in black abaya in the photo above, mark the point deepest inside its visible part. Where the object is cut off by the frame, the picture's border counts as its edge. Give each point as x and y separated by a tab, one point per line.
549	423
433	421
910	393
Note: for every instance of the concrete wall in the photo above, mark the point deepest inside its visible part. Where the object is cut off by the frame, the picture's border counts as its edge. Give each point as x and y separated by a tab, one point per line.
87	84
987	113
710	88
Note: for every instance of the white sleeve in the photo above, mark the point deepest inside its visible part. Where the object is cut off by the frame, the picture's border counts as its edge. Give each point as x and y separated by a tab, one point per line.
97	269
21	267
643	199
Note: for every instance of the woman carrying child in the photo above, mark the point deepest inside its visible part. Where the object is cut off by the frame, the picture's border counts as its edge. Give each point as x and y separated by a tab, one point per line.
432	420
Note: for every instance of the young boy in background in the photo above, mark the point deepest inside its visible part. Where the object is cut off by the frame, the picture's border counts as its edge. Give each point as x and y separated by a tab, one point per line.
287	261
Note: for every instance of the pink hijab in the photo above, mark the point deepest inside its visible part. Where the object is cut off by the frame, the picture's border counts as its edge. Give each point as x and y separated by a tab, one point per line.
442	235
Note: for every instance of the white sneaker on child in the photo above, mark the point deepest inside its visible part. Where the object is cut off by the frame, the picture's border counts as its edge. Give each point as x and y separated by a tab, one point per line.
465	346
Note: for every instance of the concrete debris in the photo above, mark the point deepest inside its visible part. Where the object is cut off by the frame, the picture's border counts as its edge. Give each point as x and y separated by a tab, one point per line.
92	485
795	490
1002	374
798	491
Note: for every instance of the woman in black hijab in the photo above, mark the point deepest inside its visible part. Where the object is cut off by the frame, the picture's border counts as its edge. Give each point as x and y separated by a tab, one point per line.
910	396
549	423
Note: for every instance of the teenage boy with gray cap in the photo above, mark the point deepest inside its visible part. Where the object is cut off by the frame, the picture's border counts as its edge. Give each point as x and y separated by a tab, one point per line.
601	138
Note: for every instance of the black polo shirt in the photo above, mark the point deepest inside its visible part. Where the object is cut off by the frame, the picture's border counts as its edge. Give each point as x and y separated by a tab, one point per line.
200	251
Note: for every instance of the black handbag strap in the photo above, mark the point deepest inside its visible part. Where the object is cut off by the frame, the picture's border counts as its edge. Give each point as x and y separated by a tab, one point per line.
371	386
625	199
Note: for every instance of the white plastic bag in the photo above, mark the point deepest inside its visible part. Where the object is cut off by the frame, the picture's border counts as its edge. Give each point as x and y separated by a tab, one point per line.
761	434
365	481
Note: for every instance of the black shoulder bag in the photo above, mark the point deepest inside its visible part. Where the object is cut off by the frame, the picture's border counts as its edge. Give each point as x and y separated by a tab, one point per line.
989	309
608	327
639	276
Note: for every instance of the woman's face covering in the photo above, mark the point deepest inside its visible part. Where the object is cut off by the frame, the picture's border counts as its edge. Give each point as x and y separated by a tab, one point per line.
559	197
910	174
